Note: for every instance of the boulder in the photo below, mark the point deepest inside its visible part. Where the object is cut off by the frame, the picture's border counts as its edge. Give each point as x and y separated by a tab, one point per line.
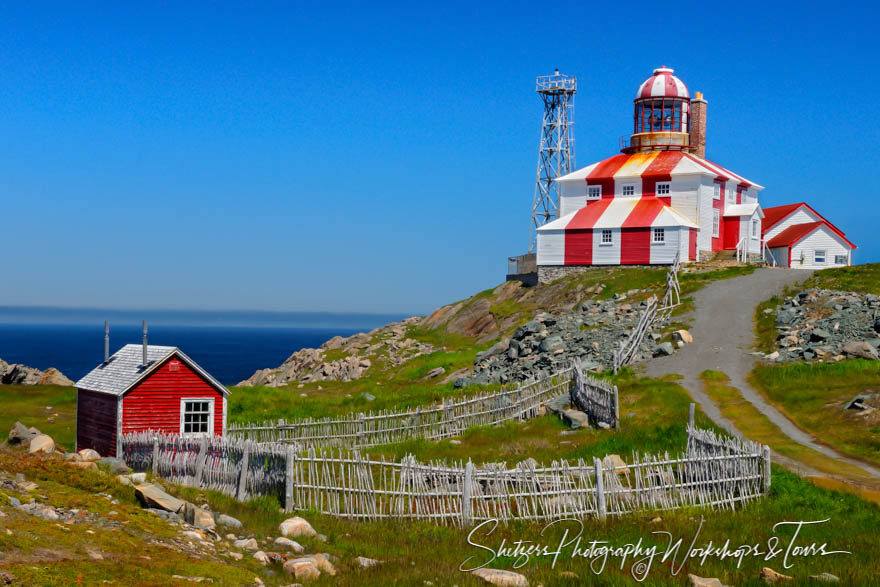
435	372
615	461
819	335
576	419
262	557
551	344
697	581
771	576
296	527
246	544
501	578
365	563
152	496
225	520
116	466
289	544
664	348
88	466
302	570
89	454
21	434
41	443
197	517
682	336
860	349
557	404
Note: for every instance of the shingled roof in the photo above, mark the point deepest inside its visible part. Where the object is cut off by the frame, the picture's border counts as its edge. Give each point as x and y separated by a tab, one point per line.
125	369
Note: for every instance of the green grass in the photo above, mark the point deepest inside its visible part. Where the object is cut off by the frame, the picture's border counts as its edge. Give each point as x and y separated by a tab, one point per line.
27	404
765	325
813	396
861	278
755	426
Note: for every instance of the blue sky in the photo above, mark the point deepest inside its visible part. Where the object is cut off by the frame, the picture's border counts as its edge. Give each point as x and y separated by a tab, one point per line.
379	158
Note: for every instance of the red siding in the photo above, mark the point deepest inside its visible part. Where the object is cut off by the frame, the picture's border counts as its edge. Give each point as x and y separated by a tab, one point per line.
154	403
578	247
660	170
635	246
603	174
692	245
96	422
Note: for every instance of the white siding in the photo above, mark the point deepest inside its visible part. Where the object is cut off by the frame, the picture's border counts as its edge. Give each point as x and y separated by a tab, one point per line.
636	182
707	191
685	193
572	196
745	229
606	254
801	216
664	253
824	239
551	247
684	241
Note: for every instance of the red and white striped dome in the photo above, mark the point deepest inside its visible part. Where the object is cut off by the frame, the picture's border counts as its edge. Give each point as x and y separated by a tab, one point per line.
662	85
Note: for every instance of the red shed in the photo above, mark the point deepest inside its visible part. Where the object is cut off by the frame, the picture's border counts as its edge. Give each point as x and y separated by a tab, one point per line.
147	388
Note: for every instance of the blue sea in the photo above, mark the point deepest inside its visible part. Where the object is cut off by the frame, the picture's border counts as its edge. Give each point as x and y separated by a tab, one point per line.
229	345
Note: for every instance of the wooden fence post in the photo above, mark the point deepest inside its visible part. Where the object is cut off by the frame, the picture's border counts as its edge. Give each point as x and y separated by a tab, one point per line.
616	409
242	480
691	410
600	489
467	516
361	429
155	455
200	462
288	480
766	469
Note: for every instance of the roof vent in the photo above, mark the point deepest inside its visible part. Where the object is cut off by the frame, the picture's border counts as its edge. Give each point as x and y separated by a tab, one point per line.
106	341
144	363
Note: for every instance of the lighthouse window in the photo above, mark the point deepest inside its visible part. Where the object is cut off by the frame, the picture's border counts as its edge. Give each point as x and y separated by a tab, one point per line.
730	197
754	229
606	236
594	192
659	235
662	189
717	195
716	222
629	190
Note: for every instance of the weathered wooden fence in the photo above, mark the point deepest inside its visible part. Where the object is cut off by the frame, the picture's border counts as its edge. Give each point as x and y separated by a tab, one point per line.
655	312
714	472
596	398
450	418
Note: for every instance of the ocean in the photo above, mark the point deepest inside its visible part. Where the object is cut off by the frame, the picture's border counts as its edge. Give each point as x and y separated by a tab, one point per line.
230	345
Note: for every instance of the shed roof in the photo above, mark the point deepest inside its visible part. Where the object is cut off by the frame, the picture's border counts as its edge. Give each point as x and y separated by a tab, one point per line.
776	214
797	232
125	369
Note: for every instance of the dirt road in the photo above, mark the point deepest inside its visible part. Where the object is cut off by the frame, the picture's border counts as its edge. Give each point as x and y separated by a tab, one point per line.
723	330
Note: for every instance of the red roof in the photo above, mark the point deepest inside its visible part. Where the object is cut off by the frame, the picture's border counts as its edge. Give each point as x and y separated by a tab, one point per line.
795	233
776	214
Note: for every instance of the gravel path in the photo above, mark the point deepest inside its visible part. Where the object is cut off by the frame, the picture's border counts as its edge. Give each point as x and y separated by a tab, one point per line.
722	326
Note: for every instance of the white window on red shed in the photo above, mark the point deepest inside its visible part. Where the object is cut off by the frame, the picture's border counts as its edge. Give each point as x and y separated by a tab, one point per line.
197	417
174	366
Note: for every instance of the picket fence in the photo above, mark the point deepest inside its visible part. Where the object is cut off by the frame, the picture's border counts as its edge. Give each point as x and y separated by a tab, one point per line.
450	418
713	472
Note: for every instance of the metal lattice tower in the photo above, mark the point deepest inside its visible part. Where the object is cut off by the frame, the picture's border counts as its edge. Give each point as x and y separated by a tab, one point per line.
556	152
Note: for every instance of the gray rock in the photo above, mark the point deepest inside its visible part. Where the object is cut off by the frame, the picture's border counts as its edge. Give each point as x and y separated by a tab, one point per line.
116	466
576	419
21	434
551	344
664	348
860	349
368	396
152	496
197	517
696	581
435	372
819	335
784	317
225	520
557	404
825	578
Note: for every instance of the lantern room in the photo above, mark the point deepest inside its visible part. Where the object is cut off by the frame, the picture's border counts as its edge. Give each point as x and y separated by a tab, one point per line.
660	121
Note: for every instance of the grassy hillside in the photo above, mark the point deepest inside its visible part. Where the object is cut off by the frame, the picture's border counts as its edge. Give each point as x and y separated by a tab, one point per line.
862	278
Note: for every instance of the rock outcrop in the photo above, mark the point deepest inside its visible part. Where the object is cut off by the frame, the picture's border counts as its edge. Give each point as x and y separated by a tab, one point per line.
23	375
827	325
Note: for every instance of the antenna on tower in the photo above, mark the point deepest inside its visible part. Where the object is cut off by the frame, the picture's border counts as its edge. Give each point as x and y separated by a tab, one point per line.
556	151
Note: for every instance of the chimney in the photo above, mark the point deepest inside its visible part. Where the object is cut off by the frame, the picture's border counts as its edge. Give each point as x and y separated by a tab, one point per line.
106	341
698	125
145	344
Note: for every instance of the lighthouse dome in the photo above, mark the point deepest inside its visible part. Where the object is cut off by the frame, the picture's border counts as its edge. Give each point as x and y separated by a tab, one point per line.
663	85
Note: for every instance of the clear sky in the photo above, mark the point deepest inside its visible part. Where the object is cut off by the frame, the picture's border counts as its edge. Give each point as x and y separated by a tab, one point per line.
379	157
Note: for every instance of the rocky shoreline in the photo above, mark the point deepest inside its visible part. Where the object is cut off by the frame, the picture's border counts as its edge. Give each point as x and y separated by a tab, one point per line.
22	375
